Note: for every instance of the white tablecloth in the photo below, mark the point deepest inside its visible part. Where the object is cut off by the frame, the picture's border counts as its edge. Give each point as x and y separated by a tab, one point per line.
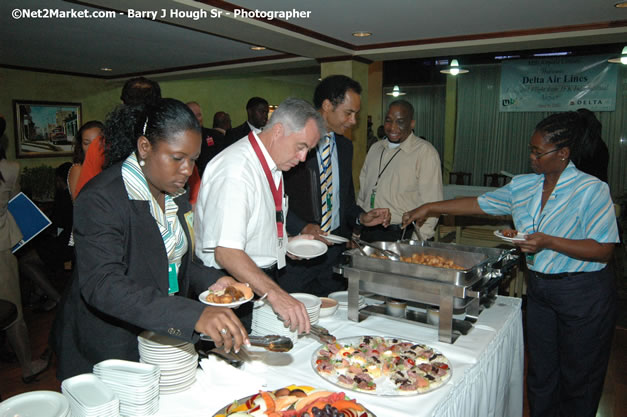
487	370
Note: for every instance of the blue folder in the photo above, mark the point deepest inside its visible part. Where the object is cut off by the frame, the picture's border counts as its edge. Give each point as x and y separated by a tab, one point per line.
30	219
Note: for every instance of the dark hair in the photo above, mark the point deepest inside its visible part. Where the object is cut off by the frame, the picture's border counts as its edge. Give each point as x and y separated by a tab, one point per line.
405	105
78	156
62	170
255	101
140	90
221	119
158	122
580	131
333	88
3	152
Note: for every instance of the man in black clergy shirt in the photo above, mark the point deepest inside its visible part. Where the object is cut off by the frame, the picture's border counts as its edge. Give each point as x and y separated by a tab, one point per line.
321	191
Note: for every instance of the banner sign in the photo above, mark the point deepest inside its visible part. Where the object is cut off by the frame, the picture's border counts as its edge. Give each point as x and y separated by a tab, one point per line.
558	84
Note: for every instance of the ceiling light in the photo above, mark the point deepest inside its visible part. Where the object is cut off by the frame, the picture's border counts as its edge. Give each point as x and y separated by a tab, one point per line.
362	34
552	53
622	4
622	59
106	69
395	92
454	69
258	48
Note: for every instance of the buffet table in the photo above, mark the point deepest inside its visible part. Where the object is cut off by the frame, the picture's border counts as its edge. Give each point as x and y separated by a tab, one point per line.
487	368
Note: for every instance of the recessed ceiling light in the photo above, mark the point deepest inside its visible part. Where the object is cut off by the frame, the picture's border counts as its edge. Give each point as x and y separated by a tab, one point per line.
622	4
258	48
106	69
362	34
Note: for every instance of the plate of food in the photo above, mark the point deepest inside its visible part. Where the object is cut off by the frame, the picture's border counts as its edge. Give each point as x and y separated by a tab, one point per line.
383	366
510	235
306	248
232	296
294	400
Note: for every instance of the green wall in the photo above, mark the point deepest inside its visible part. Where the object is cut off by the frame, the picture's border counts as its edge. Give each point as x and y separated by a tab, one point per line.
98	97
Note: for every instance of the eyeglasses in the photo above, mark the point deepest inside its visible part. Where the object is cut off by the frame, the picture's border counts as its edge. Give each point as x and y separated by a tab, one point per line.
540	155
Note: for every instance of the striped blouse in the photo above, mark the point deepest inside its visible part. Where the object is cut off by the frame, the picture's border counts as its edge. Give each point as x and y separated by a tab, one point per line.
580	207
171	230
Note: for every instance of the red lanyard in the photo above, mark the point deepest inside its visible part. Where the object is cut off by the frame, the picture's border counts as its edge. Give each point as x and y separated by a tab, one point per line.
277	193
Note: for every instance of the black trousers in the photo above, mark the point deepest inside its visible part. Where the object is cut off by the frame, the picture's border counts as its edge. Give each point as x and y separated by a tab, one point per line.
392	233
570	325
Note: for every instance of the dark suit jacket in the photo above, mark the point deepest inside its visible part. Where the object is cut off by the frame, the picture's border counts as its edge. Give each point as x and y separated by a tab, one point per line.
213	142
236	133
302	185
120	282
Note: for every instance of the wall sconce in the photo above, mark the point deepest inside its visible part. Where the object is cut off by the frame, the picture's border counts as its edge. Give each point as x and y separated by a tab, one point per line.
622	59
454	69
396	92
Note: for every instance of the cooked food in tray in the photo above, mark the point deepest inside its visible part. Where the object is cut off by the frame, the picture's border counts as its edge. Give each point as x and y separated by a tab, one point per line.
382	366
295	401
429	260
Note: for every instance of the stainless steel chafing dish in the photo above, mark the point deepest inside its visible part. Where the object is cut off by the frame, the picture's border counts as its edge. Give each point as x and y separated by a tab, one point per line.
450	291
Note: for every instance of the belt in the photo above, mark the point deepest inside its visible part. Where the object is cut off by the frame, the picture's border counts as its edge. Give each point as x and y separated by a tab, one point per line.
271	271
561	275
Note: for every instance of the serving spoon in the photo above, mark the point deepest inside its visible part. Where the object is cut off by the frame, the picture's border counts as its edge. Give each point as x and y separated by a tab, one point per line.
385	252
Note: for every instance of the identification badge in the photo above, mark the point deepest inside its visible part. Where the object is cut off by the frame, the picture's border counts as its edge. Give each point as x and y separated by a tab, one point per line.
173	281
372	196
330	201
529	258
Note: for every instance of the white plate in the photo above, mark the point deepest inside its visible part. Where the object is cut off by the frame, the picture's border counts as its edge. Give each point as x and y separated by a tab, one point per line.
35	404
520	237
306	249
335	238
342	298
203	299
88	390
310	301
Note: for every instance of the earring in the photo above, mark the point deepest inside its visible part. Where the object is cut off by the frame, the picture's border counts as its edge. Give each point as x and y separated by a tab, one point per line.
142	162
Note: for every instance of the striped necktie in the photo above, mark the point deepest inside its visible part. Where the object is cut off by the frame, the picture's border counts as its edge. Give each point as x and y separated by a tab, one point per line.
326	184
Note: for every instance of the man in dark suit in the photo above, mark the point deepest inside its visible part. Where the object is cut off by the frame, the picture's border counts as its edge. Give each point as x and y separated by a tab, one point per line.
321	191
213	141
257	109
221	122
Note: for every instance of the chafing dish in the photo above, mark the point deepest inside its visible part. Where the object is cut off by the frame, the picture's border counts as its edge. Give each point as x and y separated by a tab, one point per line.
450	291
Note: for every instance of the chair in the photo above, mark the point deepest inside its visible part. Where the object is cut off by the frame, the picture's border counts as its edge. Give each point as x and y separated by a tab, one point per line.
495	180
459	178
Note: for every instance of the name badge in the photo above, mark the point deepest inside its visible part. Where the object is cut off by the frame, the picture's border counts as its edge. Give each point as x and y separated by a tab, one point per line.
173	280
372	197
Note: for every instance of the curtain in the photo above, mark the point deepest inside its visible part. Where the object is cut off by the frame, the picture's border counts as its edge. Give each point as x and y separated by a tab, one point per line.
489	141
429	109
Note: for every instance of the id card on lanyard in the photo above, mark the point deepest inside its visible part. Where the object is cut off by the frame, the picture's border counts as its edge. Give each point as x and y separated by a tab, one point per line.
173	279
277	196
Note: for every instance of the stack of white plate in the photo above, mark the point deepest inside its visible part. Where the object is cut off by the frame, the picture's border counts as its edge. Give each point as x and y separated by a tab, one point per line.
135	384
266	322
342	299
312	304
177	360
36	403
90	397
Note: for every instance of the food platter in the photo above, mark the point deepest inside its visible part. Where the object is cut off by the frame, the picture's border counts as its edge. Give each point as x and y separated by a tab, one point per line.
203	299
520	237
382	366
257	404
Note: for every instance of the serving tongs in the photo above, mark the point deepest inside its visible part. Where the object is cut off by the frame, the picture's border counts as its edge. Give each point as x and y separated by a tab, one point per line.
272	343
322	334
385	252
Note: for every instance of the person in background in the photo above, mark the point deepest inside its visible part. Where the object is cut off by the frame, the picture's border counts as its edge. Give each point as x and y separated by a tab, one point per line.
212	140
321	191
241	210
401	173
62	217
85	136
594	157
136	91
570	231
10	235
257	110
221	122
134	247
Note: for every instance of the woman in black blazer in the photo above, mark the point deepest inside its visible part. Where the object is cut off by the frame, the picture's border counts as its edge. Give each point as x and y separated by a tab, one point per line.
122	284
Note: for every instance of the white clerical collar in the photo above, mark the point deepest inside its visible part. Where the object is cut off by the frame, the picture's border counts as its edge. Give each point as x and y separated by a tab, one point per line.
392	145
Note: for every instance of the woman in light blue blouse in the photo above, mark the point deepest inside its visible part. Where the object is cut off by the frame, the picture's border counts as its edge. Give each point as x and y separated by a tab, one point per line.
570	226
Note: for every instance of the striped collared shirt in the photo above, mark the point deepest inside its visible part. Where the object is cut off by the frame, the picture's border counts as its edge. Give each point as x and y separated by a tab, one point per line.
580	207
171	230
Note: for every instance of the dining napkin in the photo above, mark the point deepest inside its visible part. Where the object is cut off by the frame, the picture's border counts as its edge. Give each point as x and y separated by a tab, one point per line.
222	376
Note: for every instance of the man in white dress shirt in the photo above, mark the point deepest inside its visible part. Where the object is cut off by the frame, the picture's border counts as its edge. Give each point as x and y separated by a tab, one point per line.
241	209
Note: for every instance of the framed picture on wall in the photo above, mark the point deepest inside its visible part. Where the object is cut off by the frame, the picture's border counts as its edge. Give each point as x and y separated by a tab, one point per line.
45	129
